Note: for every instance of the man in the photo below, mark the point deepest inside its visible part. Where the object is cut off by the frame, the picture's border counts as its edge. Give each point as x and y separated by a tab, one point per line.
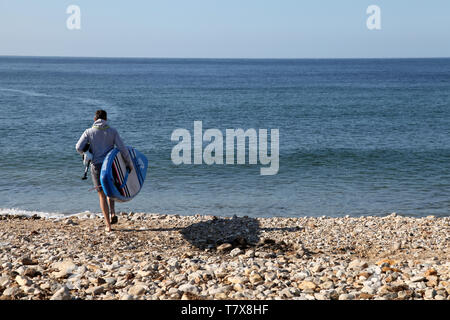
102	139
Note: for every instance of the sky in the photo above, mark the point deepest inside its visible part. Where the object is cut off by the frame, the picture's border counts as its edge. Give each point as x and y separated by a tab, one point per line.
226	28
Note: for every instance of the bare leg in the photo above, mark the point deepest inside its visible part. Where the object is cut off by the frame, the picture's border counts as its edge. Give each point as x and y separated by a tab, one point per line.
112	208
105	209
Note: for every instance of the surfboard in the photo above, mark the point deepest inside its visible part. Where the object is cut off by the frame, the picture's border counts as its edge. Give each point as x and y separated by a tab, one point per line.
117	183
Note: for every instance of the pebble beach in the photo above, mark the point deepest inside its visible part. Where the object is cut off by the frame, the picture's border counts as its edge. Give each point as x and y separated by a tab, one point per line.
160	257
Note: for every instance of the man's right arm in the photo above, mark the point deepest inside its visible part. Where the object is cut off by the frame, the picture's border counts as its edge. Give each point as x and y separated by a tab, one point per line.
123	150
81	144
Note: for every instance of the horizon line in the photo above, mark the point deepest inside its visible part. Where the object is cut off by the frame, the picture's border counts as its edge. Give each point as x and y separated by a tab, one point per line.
221	58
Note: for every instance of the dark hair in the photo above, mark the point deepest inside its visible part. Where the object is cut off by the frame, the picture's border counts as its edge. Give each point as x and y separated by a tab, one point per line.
100	114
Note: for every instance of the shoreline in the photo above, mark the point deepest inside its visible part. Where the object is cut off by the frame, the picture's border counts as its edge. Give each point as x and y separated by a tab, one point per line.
155	256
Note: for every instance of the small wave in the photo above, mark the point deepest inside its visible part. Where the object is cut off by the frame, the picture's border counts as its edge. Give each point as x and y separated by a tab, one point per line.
26	92
94	102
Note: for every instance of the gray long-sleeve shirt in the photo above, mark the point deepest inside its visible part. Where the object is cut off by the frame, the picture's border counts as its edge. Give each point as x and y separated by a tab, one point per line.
102	139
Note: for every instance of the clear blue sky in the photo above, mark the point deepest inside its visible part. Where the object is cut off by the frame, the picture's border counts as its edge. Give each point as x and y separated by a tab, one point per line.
226	28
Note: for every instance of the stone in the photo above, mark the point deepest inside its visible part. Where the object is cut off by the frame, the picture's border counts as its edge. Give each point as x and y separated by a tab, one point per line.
4	281
255	278
23	281
387	269
45	286
368	290
430	293
65	267
320	296
11	291
173	291
29	290
403	295
385	262
357	264
346	296
95	290
417	279
399	287
70	222
237	279
238	287
189	296
307	286
391	296
432	281
365	296
136	290
27	261
317	268
220	296
173	262
364	275
110	280
143	273
216	291
196	276
187	287
286	293
61	294
385	289
250	254
327	285
235	252
31	272
224	247
430	272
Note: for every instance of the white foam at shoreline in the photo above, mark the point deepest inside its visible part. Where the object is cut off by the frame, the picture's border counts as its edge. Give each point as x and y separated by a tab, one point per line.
47	215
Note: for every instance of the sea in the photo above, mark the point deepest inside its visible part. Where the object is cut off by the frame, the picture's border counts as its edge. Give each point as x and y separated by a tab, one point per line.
357	137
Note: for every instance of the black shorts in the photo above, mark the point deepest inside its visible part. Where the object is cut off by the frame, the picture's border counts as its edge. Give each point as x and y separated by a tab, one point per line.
95	174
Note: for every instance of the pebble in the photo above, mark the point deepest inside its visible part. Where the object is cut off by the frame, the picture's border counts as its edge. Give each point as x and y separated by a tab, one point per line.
26	261
136	290
224	247
95	290
307	286
345	296
62	294
11	292
237	279
235	252
430	293
189	288
23	281
417	279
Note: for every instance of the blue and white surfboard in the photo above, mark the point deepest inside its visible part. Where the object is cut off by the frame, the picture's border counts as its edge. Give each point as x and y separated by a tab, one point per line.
117	183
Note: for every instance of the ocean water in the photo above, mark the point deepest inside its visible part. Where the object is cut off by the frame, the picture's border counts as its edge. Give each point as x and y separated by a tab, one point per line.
357	137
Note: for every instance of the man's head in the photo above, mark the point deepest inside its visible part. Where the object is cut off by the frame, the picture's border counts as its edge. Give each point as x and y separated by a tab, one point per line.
100	114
